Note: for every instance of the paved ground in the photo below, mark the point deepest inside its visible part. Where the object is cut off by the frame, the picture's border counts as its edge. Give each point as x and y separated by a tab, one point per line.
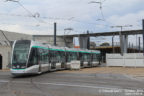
136	72
70	83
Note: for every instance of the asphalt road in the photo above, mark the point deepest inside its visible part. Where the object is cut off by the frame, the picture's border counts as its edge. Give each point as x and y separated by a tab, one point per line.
70	84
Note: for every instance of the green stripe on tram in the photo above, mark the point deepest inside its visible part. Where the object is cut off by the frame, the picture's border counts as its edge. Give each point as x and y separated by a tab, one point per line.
64	50
48	48
56	49
18	69
71	51
40	47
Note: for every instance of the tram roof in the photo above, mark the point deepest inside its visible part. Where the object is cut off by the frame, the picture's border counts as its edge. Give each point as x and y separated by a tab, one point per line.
56	48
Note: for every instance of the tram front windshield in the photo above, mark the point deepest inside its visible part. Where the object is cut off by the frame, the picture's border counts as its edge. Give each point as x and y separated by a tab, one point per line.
20	54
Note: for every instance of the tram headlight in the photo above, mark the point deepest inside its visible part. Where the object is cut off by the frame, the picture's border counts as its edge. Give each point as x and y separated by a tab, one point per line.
18	66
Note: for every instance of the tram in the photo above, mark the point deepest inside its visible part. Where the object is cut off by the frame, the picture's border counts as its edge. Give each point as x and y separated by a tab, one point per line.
31	57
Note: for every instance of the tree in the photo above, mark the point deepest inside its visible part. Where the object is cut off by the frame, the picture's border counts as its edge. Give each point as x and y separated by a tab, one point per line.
105	44
92	44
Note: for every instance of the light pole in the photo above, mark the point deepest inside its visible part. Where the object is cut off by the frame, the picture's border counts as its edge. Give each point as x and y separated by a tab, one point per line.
113	43
139	45
120	35
55	32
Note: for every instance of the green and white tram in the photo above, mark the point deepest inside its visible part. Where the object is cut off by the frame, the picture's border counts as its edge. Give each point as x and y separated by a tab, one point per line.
31	57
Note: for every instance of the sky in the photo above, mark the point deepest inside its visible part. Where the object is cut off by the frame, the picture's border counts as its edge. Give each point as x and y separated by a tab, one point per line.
80	15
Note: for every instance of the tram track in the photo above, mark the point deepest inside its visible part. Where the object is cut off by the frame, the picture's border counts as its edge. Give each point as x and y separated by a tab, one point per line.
38	88
8	87
12	92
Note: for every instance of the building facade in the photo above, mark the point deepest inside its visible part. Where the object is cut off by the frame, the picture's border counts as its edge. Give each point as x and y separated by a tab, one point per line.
5	46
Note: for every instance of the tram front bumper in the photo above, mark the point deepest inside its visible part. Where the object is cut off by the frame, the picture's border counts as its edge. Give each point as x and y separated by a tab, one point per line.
17	71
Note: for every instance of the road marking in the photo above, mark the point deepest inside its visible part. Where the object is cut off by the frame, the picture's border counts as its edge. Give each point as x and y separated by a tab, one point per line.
4	81
57	84
72	85
67	85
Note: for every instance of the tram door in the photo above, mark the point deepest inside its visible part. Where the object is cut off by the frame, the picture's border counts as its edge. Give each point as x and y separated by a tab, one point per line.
0	62
53	65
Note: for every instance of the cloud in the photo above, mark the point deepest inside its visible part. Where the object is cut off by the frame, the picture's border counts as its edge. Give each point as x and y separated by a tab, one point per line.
134	19
25	30
116	12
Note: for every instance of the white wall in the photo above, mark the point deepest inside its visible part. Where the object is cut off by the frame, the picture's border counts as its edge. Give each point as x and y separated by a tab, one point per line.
5	51
127	60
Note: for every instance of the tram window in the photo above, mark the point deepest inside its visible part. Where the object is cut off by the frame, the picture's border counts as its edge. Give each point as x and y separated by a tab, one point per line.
72	56
87	54
40	51
33	57
89	57
46	57
53	56
59	56
43	56
67	57
86	57
98	57
78	56
95	57
20	54
81	56
62	55
56	57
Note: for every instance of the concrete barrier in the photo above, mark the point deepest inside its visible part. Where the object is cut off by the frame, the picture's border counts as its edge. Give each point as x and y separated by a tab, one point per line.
127	60
75	65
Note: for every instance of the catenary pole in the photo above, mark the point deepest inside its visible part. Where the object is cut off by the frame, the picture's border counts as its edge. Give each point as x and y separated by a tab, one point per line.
55	27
